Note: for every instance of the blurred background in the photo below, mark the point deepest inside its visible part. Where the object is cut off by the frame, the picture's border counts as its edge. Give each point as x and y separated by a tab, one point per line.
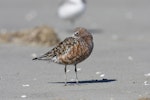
115	16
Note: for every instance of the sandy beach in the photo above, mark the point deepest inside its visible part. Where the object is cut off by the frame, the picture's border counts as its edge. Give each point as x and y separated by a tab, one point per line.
118	68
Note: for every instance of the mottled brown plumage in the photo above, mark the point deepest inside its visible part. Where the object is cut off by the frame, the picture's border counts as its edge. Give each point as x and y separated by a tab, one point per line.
72	50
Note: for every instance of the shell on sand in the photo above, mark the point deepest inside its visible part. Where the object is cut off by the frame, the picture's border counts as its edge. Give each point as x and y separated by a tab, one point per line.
41	35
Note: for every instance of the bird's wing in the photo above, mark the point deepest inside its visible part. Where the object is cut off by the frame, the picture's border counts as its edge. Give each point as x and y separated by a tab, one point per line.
61	49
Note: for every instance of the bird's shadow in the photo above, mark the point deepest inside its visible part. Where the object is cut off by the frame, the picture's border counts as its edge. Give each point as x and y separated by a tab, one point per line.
88	81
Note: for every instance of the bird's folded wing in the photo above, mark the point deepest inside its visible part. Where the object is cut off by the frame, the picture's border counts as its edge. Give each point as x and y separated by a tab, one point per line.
61	49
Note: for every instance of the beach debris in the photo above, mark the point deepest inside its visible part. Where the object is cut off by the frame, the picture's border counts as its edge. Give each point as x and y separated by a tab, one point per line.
25	85
146	83
68	70
147	75
40	35
78	69
147	78
100	74
130	58
23	96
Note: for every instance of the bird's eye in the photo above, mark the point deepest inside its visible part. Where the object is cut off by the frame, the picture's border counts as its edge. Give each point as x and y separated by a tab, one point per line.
76	33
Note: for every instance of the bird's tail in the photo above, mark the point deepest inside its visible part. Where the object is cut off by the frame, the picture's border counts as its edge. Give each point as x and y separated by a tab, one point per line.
36	58
44	57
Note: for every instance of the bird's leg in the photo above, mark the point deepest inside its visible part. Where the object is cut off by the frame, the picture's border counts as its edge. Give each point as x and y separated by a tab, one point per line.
76	73
65	74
